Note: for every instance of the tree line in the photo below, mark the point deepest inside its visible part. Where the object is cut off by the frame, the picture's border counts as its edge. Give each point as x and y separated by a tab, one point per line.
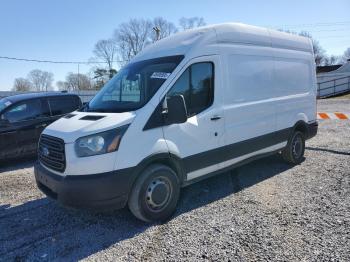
127	40
36	80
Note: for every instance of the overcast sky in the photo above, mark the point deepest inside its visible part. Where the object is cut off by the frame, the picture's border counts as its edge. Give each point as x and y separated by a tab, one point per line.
67	30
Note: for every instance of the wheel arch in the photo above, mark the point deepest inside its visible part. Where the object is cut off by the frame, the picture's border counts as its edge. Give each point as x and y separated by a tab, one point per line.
301	126
167	159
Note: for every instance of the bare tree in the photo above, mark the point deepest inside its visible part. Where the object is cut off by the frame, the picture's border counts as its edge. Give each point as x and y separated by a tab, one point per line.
319	52
21	84
191	22
346	56
106	50
331	60
40	80
165	28
77	82
62	85
132	37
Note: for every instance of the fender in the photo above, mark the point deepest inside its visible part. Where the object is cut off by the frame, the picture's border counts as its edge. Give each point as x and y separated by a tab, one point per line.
164	158
301	126
302	117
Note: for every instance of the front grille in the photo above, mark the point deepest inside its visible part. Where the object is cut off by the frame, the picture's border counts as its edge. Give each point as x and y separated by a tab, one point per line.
51	153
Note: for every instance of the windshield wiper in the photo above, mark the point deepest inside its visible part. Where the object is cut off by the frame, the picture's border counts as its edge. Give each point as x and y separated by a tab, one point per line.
85	107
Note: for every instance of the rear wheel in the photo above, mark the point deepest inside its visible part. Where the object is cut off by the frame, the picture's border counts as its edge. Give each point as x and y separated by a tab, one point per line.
155	194
294	151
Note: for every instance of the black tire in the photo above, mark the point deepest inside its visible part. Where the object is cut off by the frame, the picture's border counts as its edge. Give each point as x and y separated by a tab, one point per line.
293	153
155	194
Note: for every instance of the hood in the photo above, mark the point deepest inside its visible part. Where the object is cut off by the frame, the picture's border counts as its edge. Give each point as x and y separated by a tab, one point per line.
79	124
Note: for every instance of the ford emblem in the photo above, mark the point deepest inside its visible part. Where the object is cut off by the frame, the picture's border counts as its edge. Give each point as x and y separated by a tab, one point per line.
45	151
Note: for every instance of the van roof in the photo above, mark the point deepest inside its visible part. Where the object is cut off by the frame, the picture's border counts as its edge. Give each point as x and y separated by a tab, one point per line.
22	97
212	36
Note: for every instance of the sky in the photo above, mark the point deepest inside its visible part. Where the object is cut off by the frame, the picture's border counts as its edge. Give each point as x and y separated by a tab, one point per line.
67	30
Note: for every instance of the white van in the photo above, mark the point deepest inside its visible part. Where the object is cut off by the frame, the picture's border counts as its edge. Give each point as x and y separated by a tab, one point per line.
189	106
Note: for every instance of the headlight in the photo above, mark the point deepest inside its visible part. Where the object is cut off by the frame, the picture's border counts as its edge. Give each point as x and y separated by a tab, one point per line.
101	143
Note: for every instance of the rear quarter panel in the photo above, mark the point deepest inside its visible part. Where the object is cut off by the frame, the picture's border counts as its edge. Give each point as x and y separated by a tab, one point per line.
295	87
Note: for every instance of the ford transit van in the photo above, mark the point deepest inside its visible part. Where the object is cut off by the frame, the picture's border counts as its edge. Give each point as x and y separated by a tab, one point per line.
187	107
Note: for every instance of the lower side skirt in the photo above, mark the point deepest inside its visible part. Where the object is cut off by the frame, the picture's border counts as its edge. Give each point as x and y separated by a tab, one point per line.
230	162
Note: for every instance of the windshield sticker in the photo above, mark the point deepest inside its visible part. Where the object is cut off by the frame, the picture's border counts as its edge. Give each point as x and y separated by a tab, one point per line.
8	103
160	75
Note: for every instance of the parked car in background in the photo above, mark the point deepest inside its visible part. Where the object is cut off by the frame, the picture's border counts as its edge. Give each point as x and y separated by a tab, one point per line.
23	118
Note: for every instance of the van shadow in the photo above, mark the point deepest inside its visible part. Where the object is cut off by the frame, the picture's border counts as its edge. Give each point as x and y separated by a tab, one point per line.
41	229
228	183
320	149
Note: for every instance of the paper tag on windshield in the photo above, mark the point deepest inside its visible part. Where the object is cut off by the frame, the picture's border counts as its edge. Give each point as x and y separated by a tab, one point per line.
160	75
8	103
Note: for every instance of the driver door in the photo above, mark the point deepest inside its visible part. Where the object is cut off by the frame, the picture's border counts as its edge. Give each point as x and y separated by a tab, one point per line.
195	140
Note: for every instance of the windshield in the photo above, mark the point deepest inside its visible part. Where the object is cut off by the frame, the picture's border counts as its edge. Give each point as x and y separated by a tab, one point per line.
133	86
4	103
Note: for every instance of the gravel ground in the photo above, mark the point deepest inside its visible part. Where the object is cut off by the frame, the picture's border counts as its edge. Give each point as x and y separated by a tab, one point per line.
333	105
266	210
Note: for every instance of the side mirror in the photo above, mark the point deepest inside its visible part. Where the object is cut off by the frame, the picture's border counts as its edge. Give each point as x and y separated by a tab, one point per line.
175	109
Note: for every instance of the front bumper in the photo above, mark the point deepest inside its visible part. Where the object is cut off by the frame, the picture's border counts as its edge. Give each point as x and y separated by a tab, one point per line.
106	191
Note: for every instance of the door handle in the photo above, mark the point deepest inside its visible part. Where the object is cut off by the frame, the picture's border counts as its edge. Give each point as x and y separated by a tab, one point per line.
214	118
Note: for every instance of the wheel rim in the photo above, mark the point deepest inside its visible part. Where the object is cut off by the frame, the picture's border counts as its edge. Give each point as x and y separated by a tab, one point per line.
158	194
297	147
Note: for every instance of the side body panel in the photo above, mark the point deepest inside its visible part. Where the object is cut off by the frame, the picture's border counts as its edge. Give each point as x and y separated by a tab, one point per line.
295	87
267	90
249	103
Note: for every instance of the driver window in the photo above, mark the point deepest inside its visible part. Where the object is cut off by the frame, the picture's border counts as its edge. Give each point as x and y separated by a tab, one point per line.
182	87
24	111
196	84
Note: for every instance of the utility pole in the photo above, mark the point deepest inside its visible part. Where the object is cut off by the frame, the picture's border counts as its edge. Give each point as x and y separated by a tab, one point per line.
78	78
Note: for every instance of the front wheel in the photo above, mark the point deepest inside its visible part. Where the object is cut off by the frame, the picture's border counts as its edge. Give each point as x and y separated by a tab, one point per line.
294	151
155	194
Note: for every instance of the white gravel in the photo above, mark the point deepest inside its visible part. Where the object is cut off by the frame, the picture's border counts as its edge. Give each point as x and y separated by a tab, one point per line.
333	105
266	210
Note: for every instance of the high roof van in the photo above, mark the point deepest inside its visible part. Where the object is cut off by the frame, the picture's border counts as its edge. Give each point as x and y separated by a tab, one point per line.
187	107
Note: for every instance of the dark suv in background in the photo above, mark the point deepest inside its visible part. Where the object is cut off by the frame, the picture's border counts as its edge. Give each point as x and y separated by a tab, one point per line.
23	118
